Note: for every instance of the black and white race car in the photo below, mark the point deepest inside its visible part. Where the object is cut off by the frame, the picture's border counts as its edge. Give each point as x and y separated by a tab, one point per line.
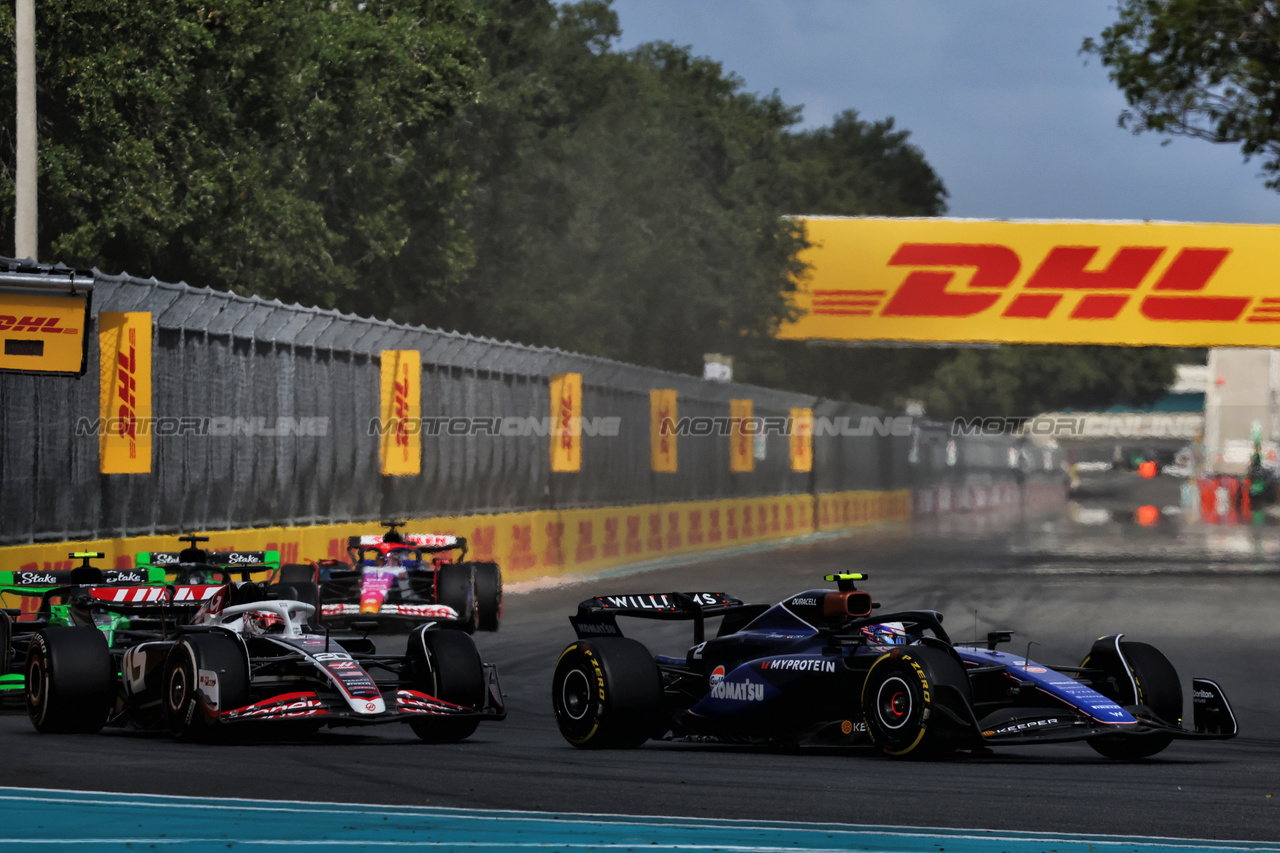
818	667
243	657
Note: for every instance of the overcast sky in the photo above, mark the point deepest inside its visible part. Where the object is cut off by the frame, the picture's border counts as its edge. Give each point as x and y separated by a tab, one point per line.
994	92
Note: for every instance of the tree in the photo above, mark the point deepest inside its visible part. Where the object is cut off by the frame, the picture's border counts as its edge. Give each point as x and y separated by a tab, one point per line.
626	205
279	148
1207	69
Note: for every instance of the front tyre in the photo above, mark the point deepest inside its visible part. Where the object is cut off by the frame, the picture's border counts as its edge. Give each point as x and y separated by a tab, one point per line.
902	702
205	675
446	665
1148	680
607	694
70	680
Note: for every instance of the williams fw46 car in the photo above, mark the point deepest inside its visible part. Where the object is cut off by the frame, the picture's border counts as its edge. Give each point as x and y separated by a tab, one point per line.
406	577
242	659
818	668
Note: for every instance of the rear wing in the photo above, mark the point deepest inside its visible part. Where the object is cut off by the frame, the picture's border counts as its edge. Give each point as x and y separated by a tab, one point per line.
597	617
430	542
71	577
246	560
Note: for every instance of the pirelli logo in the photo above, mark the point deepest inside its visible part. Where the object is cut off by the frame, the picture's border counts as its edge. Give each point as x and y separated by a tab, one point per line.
1042	282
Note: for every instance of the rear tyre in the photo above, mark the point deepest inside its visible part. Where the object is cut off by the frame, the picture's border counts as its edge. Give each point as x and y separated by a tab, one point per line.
456	588
191	709
903	700
446	665
489	595
607	694
297	573
1150	680
69	680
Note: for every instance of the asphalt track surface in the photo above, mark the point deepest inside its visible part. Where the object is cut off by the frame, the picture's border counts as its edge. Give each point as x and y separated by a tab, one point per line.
1208	597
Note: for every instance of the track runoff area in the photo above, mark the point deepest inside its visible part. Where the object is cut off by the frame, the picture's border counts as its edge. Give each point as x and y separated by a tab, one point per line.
55	820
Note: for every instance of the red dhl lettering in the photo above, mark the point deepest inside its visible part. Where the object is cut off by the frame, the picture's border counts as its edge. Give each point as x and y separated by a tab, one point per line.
33	325
401	403
126	386
1094	288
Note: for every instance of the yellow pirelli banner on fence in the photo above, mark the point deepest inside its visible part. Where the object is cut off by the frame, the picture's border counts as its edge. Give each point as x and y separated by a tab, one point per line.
802	440
400	442
742	440
566	422
124	436
1046	282
662	433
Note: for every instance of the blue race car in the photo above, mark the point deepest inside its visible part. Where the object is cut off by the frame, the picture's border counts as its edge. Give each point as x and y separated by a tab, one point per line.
818	668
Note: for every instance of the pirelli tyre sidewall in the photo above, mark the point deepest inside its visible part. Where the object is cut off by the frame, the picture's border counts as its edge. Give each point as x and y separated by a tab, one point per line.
607	694
897	703
70	680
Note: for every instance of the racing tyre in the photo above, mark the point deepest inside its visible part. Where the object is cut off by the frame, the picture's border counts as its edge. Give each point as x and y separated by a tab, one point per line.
489	595
446	665
297	573
70	680
456	588
191	703
607	694
1154	684
906	698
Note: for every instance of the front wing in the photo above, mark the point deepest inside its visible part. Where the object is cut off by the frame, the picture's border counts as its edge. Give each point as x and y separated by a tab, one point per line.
401	705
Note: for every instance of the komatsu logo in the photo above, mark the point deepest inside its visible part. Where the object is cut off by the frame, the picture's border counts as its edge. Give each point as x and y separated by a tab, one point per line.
739	691
801	664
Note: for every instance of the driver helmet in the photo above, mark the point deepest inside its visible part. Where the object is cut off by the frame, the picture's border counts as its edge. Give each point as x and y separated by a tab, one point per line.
260	622
886	634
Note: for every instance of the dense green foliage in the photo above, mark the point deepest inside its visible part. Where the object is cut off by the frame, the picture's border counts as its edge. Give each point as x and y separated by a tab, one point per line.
492	166
1208	69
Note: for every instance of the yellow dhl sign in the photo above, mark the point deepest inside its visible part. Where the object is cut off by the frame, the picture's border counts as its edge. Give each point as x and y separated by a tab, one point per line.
1063	282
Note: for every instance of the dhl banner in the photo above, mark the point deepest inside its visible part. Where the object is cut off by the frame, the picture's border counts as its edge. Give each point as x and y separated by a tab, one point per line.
662	441
43	334
566	419
1059	282
742	437
802	440
124	343
532	545
400	446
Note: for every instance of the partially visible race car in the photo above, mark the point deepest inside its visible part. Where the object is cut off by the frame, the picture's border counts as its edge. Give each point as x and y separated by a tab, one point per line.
818	667
192	564
43	598
406	577
235	655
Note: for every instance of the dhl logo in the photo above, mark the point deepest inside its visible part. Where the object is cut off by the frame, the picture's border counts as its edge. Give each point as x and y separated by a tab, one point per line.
1069	276
34	325
401	404
566	431
126	391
